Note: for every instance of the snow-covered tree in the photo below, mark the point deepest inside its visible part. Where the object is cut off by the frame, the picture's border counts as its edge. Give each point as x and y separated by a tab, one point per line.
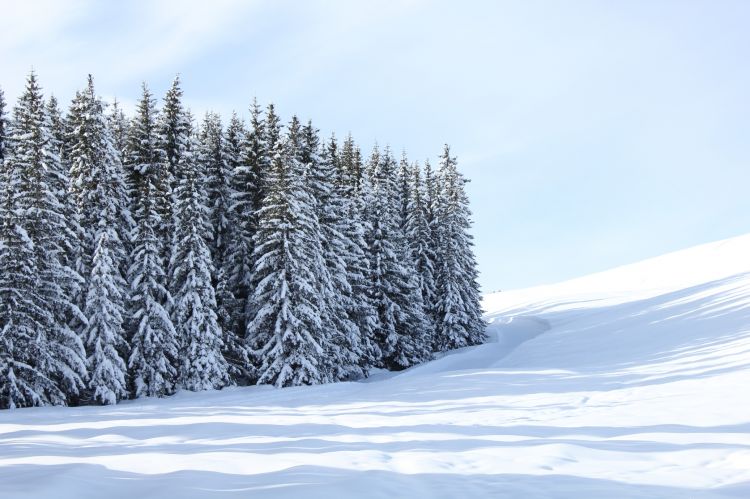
201	364
421	243
100	202
118	127
97	185
41	358
247	175
401	331
232	277
459	312
342	230
3	127
154	348
173	128
286	333
104	332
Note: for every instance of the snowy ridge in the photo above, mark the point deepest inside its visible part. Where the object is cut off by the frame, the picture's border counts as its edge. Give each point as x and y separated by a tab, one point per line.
627	383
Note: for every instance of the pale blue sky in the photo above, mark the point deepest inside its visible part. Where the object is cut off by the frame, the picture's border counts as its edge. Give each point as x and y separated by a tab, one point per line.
596	133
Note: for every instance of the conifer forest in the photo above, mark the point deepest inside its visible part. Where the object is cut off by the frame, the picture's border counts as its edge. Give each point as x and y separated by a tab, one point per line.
145	254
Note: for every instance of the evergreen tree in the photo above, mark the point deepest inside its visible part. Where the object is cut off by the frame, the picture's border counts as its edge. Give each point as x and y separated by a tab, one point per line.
201	364
118	128
60	183
154	349
97	186
104	332
173	128
343	226
231	286
3	127
101	207
401	332
286	331
247	193
218	194
41	358
459	312
422	244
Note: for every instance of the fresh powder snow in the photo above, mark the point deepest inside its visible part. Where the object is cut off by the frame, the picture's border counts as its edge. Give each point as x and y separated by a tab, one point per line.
627	383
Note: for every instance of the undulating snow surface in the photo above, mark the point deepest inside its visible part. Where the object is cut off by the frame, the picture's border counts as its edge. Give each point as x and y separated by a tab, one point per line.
628	383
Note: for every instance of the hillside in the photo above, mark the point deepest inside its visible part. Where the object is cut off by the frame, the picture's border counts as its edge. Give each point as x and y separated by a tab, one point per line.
627	383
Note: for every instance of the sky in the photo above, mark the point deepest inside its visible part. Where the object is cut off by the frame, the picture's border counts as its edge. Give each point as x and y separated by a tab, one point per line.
594	133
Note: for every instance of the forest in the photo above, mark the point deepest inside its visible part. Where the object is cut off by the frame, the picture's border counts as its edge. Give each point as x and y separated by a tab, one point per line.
144	254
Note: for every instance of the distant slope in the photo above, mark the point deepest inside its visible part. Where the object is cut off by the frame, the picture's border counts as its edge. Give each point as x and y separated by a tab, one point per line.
627	383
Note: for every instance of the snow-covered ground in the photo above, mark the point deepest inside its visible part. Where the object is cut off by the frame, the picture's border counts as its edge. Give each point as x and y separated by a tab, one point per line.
629	383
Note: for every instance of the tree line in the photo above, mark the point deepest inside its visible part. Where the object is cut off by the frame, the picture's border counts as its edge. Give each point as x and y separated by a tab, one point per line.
143	255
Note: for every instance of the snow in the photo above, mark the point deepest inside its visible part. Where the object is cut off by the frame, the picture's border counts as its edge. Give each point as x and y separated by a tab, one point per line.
627	383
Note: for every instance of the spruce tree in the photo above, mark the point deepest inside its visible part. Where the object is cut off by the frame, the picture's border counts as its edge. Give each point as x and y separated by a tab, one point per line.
103	334
41	358
459	312
401	332
173	135
201	364
210	155
286	333
154	349
101	208
248	190
422	245
231	286
97	185
3	127
118	127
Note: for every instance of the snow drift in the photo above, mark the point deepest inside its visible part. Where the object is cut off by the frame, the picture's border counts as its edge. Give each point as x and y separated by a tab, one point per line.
627	383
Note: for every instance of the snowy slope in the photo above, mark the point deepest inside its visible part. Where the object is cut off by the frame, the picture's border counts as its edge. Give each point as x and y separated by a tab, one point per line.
628	383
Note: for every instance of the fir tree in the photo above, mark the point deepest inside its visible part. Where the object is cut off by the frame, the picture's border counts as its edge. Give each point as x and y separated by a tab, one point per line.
286	330
101	206
401	331
459	313
41	358
173	135
118	128
247	194
154	349
104	332
343	225
211	158
201	365
97	186
3	127
421	244
231	286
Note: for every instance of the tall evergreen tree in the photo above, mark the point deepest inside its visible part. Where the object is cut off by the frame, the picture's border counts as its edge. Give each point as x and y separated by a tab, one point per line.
421	244
345	248
103	334
173	128
286	331
201	364
154	348
60	182
97	185
231	287
248	188
3	127
41	358
210	155
459	312
101	207
401	332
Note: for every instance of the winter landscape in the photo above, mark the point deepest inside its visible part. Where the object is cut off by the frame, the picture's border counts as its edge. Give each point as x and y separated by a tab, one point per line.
374	249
